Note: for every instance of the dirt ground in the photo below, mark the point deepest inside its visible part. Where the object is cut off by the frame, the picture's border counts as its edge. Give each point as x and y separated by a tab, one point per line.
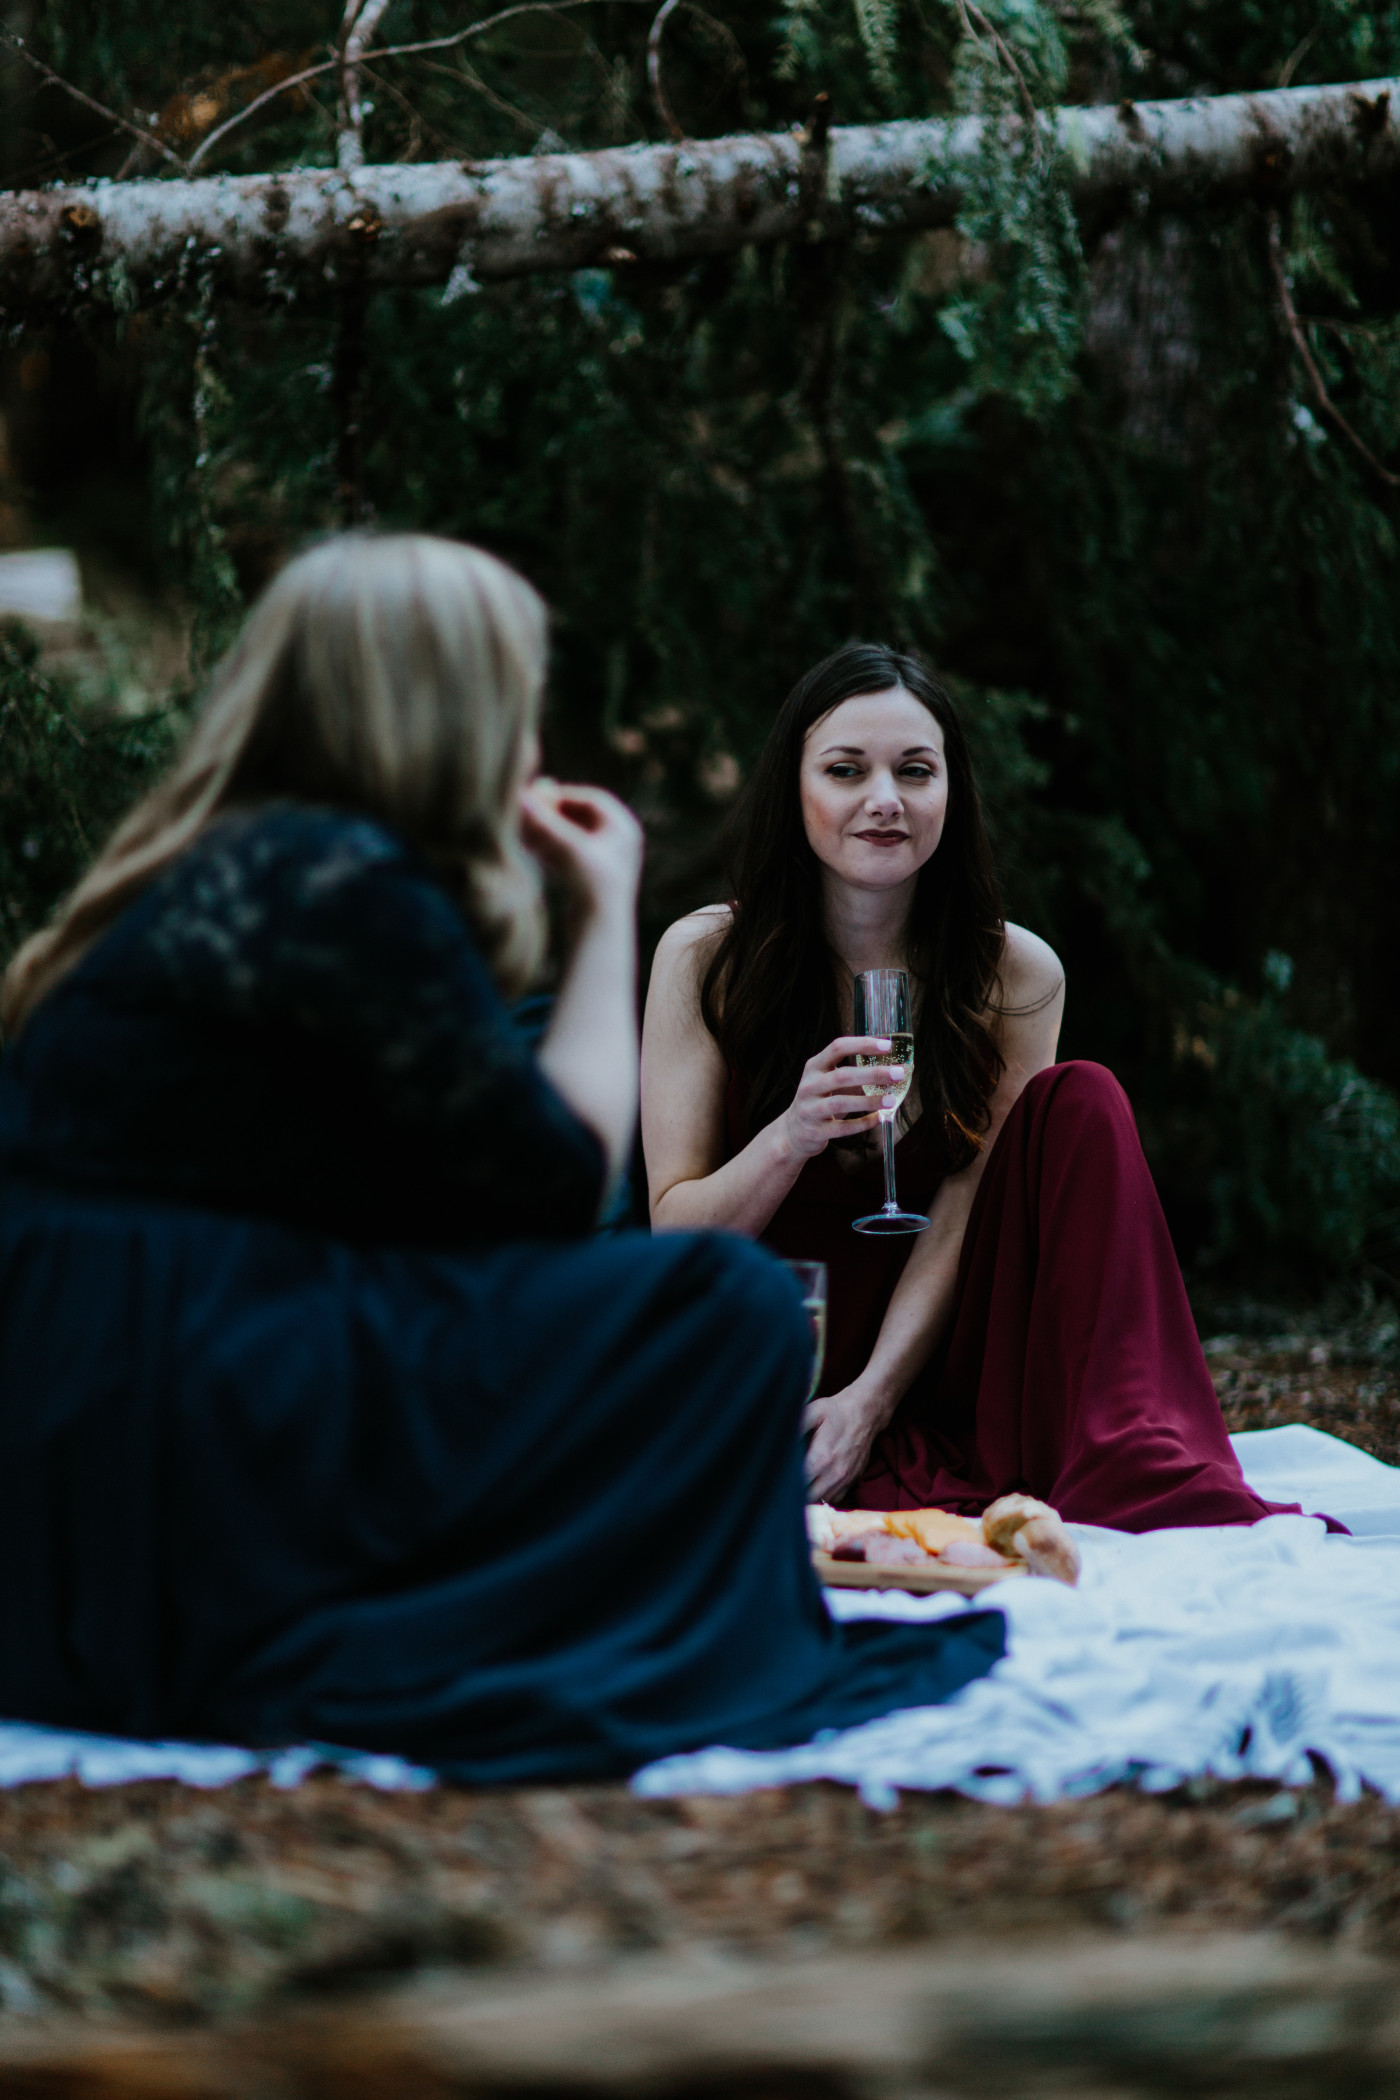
166	1904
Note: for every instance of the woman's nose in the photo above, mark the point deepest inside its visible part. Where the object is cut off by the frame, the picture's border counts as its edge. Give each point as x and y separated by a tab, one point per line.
883	796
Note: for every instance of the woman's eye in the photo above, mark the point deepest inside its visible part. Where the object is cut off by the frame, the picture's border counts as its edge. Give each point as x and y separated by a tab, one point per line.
916	772
843	772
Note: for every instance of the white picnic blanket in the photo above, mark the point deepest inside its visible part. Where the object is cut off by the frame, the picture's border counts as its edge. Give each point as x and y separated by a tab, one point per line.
1239	1652
1246	1653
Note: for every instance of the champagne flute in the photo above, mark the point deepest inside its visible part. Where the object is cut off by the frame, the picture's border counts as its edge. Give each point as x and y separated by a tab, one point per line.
811	1281
882	1008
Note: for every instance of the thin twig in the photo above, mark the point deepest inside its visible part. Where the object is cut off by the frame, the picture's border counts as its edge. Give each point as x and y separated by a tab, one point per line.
966	9
435	43
738	64
464	75
1297	55
57	160
658	89
137	131
1300	343
418	125
249	109
1342	328
362	18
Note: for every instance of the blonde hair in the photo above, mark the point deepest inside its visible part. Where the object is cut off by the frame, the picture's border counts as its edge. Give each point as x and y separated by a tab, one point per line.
397	677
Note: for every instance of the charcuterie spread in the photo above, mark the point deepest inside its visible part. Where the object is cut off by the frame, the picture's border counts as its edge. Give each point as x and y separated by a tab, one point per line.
932	1549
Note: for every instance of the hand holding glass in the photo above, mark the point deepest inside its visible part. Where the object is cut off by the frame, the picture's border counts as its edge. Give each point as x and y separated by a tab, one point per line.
883	1009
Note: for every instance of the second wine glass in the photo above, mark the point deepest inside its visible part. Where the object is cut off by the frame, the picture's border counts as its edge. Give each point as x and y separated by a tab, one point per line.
883	1009
811	1281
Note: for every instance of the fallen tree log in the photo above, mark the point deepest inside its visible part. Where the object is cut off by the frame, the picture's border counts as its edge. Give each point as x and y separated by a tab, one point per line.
464	223
1234	2016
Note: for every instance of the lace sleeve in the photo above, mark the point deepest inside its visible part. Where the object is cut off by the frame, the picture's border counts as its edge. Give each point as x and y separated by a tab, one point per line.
327	935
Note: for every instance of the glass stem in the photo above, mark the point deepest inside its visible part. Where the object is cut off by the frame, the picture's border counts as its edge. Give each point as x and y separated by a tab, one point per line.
887	1153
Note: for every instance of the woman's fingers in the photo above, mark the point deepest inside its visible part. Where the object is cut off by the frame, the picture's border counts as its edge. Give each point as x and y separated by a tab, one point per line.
826	1477
848	1046
541	818
578	814
838	1125
832	1099
853	1079
541	828
840	1104
585	832
837	1451
590	809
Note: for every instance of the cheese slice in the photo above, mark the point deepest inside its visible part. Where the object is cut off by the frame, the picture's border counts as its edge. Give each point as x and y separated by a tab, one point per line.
932	1528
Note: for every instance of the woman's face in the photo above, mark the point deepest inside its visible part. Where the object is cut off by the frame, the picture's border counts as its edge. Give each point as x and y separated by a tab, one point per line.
874	788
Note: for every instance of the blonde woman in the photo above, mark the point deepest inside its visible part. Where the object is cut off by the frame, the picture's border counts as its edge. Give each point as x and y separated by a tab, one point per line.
321	1414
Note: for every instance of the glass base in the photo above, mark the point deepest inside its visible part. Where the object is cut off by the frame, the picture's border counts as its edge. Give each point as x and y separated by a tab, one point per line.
892	1221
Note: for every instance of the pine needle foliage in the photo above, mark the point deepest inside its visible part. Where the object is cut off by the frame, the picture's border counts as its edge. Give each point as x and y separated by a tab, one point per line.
65	779
1078	463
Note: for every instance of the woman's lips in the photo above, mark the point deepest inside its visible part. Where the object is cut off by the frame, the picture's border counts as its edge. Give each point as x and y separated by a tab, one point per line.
883	838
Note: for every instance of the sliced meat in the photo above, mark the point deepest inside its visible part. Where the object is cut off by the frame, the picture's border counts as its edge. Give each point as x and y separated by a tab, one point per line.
882	1551
971	1553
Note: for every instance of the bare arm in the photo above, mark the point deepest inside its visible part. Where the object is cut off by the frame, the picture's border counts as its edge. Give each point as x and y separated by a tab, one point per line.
683	1089
845	1424
589	1053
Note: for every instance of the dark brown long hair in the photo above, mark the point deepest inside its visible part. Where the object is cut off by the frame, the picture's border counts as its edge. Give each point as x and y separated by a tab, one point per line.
770	994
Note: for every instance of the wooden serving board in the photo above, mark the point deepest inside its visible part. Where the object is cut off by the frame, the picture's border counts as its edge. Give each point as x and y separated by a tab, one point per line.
860	1575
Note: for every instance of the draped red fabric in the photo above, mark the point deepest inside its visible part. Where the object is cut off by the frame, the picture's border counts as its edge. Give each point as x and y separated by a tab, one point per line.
1071	1369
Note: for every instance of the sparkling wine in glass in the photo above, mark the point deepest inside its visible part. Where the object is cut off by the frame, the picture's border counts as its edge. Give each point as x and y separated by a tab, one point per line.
811	1281
883	1009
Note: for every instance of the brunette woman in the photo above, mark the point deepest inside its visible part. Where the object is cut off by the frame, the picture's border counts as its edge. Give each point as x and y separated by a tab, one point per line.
1037	1335
322	1417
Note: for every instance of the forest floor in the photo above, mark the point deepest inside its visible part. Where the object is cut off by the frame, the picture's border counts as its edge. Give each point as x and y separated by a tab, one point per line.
160	1903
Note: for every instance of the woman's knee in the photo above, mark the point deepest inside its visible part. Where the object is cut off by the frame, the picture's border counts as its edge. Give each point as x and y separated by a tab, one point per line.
1084	1090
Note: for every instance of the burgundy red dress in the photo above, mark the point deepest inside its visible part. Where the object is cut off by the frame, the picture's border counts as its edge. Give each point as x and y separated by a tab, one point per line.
1071	1368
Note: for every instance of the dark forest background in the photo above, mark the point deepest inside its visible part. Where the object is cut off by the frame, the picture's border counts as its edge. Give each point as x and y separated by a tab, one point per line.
1078	463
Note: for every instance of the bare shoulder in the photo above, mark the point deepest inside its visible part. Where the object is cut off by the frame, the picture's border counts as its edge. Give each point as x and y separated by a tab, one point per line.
687	946
685	949
1032	975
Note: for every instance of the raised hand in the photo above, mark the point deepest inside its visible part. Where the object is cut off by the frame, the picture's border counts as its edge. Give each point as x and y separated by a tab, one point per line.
588	838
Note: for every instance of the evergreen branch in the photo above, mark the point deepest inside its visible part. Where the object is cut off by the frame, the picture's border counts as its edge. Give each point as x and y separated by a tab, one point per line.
435	43
658	90
142	132
967	10
875	22
1296	330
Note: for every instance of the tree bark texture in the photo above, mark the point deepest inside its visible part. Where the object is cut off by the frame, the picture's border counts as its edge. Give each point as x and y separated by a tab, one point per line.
462	223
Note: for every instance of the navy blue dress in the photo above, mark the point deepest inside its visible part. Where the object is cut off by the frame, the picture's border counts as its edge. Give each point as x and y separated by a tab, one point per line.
322	1414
